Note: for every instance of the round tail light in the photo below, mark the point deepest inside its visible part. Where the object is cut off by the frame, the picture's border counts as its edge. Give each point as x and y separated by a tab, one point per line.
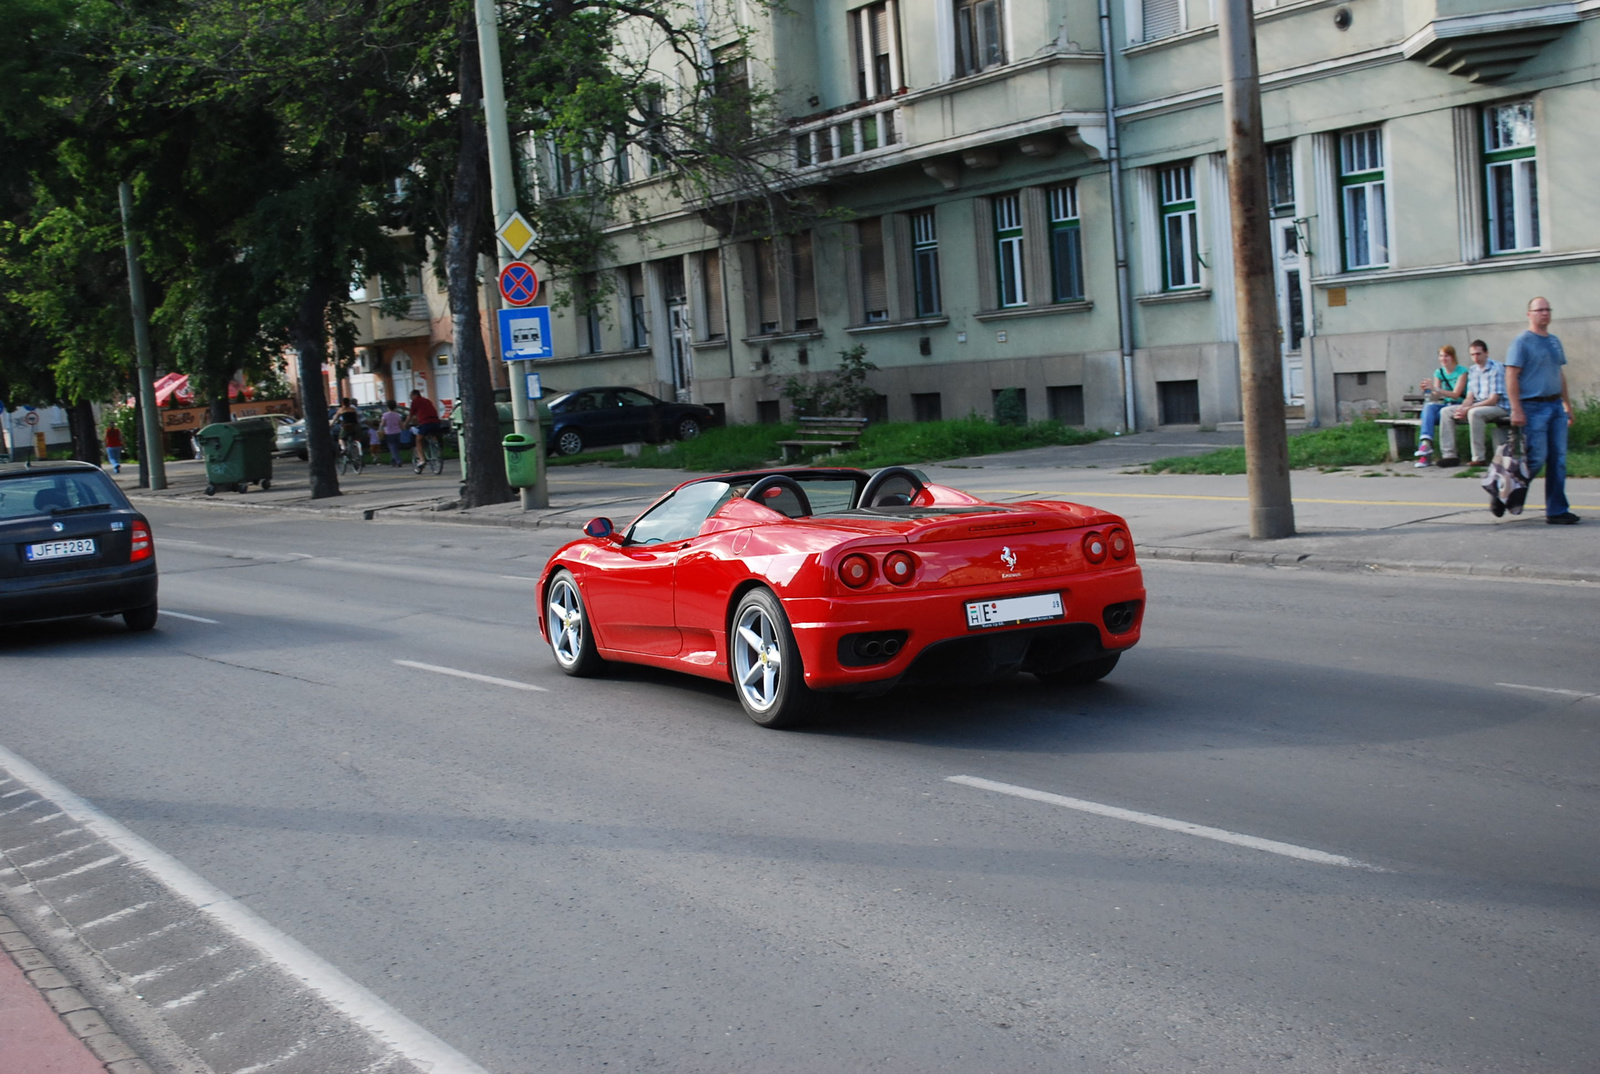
899	567
1094	547
1121	544
855	570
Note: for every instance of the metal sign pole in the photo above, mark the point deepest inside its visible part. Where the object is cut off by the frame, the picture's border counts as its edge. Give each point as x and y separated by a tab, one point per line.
503	199
153	445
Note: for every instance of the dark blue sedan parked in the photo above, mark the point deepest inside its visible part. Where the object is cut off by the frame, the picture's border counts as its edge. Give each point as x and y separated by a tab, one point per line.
590	417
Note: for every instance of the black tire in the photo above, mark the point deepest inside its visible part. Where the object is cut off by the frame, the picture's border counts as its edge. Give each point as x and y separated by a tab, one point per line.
1079	674
242	487
302	455
266	485
765	664
433	455
141	619
567	619
568	441
688	429
211	490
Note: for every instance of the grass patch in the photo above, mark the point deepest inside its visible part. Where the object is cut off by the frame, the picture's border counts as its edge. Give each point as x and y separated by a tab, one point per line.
1364	443
1583	440
748	447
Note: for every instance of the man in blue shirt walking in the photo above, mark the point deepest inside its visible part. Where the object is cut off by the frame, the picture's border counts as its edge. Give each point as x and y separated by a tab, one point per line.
1536	384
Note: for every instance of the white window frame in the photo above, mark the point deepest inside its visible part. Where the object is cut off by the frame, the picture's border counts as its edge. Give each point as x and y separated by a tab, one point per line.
1511	167
1180	227
1011	281
1063	207
1363	199
997	52
925	265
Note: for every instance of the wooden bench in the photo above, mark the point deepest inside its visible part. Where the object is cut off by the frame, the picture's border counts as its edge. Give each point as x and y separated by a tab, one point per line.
1403	433
830	433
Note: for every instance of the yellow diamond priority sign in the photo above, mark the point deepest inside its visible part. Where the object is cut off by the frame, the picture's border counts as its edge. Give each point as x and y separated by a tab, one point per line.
516	233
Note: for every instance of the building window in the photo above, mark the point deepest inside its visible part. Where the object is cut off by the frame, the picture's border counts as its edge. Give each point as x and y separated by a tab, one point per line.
1008	250
767	412
980	35
730	79
711	294
805	284
1066	403
592	340
1180	228
767	305
638	318
874	40
925	406
1066	244
925	264
1512	190
1180	401
1280	179
653	126
874	277
1162	18
1363	205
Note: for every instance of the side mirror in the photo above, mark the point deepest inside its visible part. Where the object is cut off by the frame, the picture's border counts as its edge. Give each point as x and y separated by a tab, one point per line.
599	527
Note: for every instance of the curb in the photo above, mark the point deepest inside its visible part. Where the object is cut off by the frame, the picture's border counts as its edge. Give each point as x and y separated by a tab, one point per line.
81	1018
1310	561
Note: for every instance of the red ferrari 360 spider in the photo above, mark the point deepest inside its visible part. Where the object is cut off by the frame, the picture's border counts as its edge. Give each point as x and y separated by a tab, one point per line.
794	582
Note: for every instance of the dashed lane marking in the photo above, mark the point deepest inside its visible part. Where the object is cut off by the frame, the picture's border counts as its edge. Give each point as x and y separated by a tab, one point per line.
473	675
1545	690
191	618
1221	835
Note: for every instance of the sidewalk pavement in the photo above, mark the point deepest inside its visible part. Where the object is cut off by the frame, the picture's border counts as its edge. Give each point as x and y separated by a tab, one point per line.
1391	516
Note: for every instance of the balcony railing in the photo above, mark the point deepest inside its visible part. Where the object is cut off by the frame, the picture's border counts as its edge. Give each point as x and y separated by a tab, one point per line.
872	127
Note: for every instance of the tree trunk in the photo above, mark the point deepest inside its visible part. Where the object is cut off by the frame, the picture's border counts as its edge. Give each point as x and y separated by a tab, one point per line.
85	440
485	465
309	333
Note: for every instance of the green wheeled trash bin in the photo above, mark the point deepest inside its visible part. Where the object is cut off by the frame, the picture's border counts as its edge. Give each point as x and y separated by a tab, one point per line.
238	454
522	460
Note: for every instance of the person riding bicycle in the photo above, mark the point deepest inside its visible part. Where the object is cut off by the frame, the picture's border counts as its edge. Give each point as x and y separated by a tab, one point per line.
425	421
347	420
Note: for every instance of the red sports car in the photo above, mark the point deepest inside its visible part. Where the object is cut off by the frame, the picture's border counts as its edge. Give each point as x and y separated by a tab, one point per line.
791	583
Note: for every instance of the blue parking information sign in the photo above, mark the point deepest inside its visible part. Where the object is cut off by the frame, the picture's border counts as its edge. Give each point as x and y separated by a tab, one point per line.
525	334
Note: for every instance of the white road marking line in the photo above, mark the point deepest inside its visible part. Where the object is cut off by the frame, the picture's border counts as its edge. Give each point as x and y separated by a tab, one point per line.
191	618
1545	689
387	1025
517	577
1221	835
473	675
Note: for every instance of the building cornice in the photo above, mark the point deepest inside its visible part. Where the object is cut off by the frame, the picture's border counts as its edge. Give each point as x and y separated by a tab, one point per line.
1289	76
1511	263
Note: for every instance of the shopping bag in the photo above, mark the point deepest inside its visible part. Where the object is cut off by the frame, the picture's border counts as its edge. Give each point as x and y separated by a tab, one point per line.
1507	479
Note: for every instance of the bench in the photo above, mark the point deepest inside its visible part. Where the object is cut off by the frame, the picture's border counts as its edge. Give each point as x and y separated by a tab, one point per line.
830	433
1403	434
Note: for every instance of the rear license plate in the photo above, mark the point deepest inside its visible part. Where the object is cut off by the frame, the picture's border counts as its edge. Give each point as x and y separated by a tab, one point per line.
61	549
983	614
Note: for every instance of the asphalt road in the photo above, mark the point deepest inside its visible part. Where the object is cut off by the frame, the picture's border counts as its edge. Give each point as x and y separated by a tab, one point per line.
1398	870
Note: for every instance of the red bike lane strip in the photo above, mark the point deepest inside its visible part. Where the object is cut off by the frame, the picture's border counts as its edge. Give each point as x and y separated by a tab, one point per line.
36	1039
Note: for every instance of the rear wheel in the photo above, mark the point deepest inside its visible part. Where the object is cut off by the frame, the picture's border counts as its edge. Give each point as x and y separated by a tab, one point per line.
567	620
1078	674
688	429
767	674
140	619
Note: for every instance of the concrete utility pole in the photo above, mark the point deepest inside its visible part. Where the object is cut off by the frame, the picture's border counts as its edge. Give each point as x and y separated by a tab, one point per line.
1266	441
154	448
503	200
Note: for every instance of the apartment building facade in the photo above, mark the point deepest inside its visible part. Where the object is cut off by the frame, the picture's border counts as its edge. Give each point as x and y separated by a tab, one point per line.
1432	165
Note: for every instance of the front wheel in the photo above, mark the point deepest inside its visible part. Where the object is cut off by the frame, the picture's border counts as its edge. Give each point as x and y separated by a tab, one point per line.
571	640
1078	674
688	429
569	442
767	674
433	455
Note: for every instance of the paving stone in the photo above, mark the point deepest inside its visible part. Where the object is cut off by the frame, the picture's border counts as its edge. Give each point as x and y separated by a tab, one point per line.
14	941
87	1023
129	1066
66	1000
49	978
31	959
108	1048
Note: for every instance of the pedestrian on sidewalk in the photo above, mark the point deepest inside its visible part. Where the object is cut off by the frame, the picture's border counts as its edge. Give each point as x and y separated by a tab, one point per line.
1485	402
1536	384
1447	385
390	424
114	448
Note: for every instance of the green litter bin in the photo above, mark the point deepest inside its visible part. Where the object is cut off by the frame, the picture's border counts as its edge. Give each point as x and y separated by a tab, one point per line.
238	454
522	460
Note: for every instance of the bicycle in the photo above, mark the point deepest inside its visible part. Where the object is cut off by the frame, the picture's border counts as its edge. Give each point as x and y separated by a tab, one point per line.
351	456
432	449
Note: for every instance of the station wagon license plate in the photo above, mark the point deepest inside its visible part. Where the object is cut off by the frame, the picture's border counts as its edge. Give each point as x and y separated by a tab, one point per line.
61	549
1011	611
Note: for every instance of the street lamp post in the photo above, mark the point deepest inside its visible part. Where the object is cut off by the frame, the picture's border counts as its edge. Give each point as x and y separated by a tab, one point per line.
1266	441
503	199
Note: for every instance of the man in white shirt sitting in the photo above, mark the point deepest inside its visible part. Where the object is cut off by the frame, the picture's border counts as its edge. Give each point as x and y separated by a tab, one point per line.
1485	401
